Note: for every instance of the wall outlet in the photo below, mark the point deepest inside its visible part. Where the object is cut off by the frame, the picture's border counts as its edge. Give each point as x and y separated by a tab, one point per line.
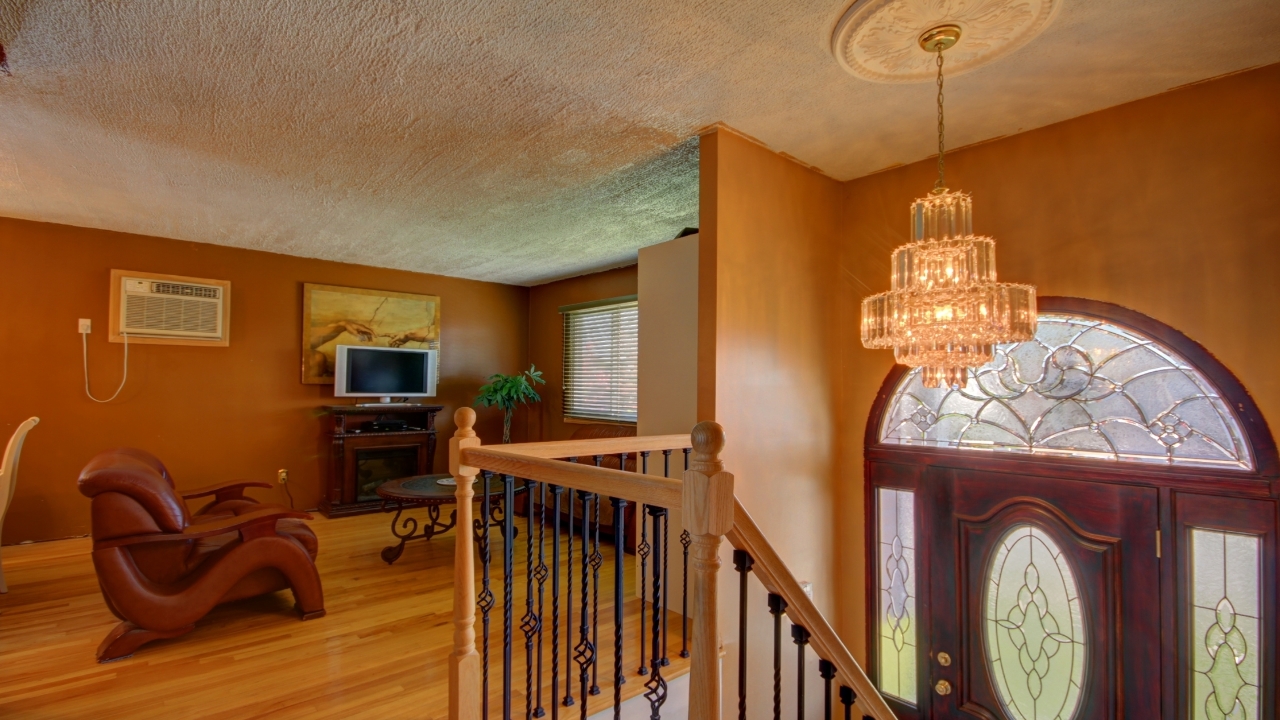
282	475
86	326
807	587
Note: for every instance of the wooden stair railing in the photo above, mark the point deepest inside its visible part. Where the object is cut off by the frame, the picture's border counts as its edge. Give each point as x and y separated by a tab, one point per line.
710	513
777	579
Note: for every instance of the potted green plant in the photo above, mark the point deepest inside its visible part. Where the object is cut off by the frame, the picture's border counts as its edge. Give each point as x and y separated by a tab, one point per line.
507	391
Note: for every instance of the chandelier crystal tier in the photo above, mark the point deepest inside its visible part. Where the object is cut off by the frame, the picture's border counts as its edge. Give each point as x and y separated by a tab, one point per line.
945	310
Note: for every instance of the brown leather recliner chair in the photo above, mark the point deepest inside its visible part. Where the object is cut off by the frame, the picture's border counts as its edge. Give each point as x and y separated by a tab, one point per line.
162	569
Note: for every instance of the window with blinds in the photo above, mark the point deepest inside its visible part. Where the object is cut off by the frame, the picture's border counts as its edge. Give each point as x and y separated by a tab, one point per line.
601	350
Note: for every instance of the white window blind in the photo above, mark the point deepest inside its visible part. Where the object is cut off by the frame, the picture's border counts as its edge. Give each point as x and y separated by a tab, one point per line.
601	350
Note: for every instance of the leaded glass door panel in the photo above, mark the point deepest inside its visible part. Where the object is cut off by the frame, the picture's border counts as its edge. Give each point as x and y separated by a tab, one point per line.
1086	528
1041	614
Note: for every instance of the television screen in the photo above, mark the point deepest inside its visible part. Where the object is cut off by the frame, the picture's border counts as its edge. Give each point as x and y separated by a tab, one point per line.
373	371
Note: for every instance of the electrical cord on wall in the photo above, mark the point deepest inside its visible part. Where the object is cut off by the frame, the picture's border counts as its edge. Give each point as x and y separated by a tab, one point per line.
84	346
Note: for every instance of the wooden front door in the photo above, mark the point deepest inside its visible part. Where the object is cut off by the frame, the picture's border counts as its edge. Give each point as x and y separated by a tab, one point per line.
1034	610
1087	528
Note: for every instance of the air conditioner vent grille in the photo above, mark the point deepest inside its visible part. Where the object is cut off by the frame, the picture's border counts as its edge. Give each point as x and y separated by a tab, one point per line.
200	291
160	314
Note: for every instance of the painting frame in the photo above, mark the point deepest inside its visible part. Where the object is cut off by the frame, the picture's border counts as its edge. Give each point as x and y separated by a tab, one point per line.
336	315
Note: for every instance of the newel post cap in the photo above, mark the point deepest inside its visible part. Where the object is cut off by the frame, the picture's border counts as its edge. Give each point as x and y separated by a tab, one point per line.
463	437
465	418
708	443
708	489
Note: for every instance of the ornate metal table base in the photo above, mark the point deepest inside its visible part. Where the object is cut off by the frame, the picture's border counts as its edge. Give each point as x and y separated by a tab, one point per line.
407	529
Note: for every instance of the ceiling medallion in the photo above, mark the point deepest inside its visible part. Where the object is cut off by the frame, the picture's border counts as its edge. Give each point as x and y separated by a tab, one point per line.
879	39
944	310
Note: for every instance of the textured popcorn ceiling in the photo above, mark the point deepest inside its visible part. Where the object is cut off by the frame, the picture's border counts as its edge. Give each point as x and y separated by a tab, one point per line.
507	141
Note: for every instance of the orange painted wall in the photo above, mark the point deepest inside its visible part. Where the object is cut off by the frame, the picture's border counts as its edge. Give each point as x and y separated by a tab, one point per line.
210	413
768	228
1164	205
546	340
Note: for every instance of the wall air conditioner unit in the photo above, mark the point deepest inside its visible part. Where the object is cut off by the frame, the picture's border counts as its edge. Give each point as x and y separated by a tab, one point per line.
169	309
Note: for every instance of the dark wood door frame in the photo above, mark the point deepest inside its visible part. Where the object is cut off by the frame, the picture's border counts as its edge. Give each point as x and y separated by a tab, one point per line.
1177	487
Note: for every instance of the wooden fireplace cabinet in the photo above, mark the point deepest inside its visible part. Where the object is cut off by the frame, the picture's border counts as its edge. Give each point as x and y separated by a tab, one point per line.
348	438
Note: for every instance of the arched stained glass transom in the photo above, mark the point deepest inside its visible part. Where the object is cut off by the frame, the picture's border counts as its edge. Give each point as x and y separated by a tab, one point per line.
1083	387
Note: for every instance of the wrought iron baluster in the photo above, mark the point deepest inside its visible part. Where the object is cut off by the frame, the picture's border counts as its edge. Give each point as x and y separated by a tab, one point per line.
619	558
597	560
827	671
508	572
642	559
685	541
777	606
557	493
801	638
567	701
686	452
847	698
531	623
666	587
540	574
485	599
656	686
584	653
742	562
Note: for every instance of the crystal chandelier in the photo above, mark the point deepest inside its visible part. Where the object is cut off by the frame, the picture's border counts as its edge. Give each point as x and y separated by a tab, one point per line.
945	310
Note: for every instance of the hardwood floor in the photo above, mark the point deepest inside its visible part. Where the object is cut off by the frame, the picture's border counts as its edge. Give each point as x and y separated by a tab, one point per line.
381	652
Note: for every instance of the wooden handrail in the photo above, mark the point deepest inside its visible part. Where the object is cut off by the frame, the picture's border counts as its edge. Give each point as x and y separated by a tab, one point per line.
777	579
599	446
648	489
711	512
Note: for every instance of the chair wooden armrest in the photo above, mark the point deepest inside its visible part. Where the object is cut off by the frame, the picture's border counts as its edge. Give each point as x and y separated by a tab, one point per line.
233	490
249	525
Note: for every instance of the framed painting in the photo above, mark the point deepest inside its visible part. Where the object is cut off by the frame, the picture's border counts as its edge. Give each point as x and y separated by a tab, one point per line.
333	316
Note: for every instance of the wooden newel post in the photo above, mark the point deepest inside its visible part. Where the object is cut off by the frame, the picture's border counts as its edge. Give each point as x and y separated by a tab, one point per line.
708	516
464	661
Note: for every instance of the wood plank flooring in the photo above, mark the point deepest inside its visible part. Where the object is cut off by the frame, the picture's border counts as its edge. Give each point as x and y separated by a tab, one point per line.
381	652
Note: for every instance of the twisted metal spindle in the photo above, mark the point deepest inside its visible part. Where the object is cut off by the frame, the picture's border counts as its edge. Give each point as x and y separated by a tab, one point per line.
508	571
584	653
666	587
567	701
540	574
597	561
656	686
642	559
557	493
486	600
827	671
777	606
619	558
531	623
685	541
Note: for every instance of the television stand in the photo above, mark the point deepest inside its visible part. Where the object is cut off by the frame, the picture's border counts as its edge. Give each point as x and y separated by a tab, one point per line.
361	460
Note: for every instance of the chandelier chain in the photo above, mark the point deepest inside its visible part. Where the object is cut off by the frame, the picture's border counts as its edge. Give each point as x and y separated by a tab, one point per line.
941	184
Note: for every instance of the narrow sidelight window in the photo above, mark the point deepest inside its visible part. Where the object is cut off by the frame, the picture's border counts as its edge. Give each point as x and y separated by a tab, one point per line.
897	611
1226	623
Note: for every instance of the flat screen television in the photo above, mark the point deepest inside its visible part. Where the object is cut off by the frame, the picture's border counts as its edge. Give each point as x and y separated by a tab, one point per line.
384	372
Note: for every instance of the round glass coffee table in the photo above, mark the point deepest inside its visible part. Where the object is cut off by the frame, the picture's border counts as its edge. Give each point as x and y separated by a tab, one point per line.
426	491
